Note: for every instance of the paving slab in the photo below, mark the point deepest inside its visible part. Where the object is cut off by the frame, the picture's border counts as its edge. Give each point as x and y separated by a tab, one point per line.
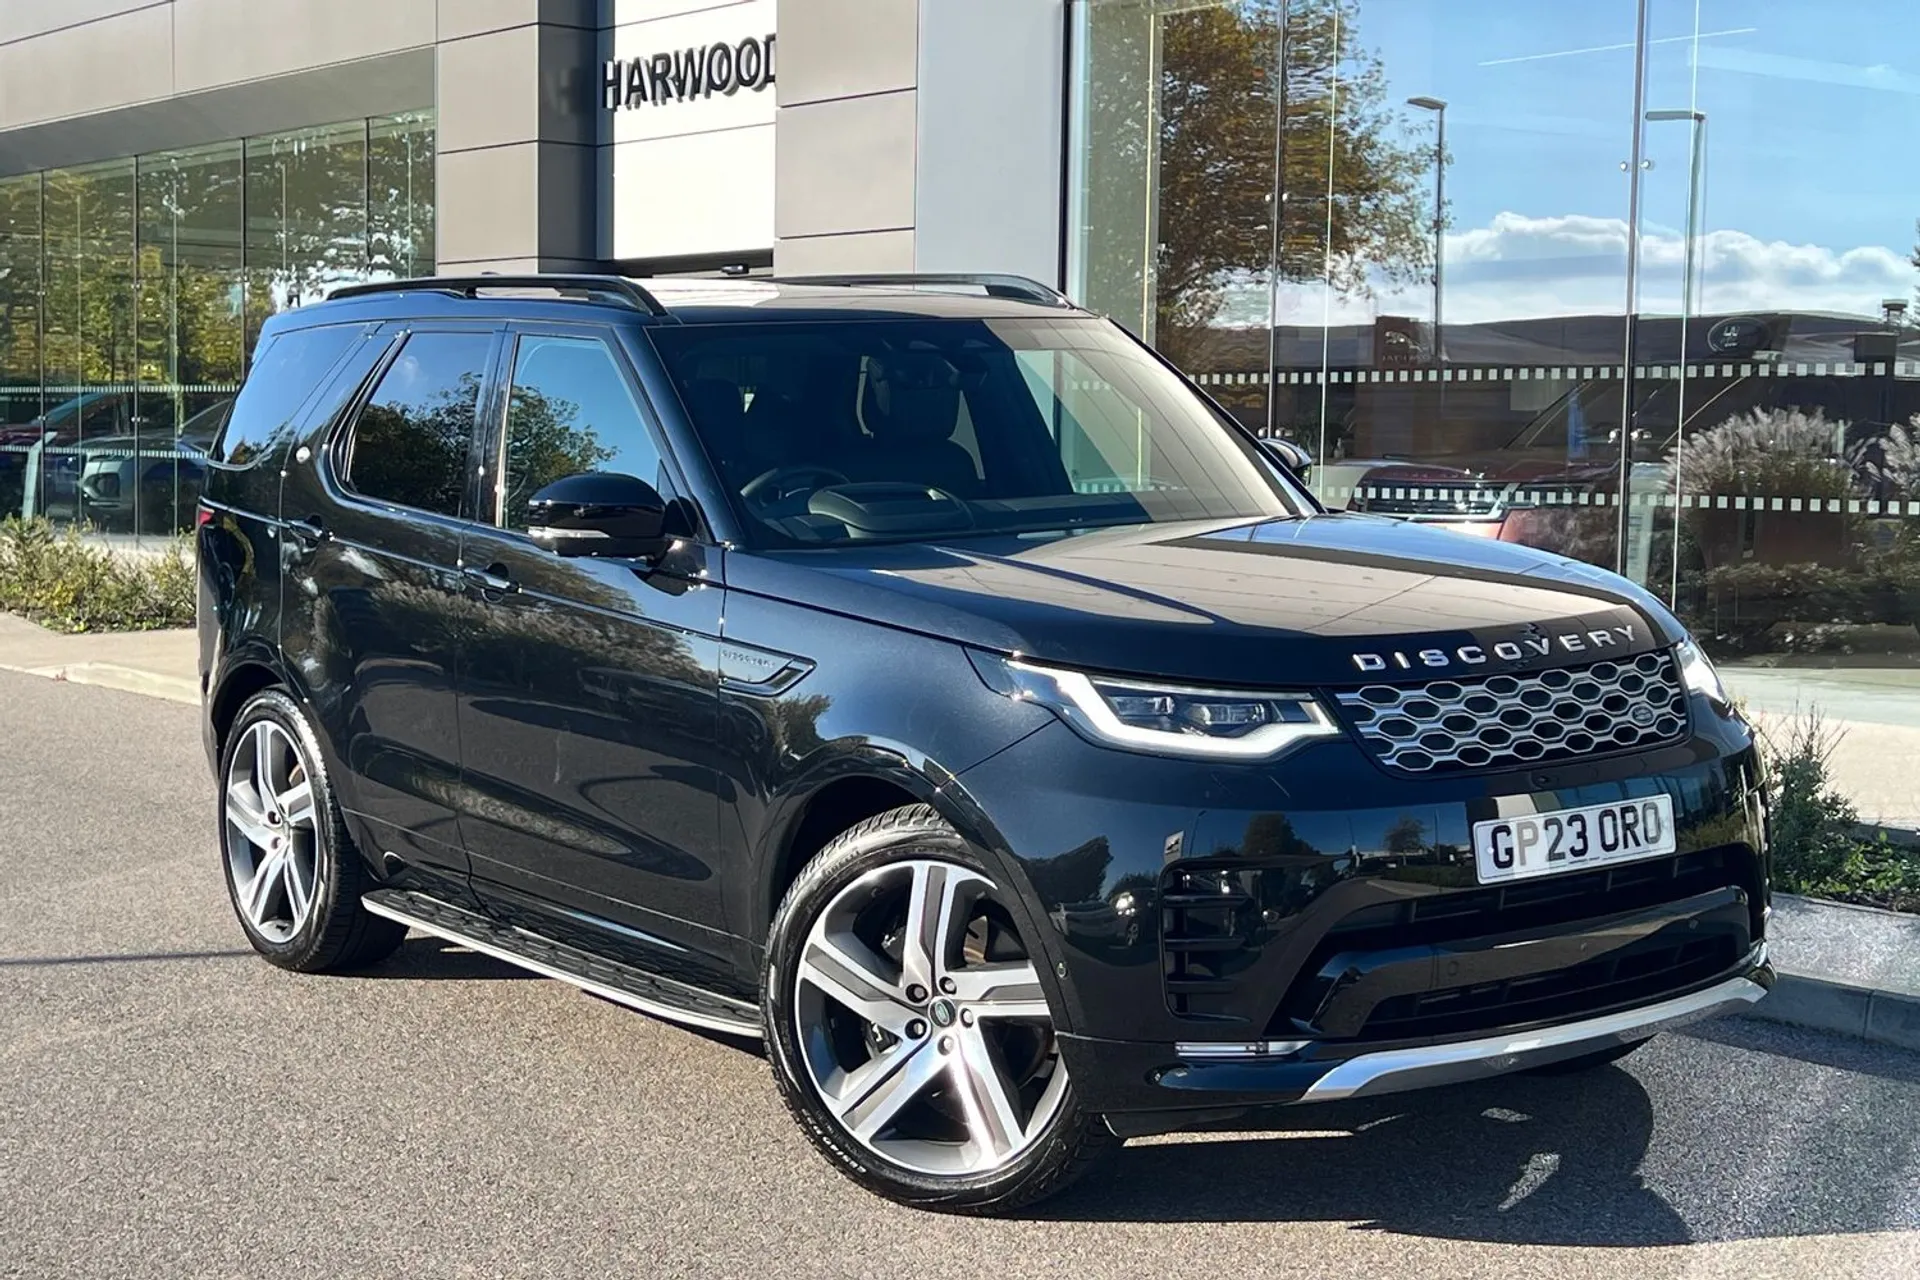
1873	949
162	664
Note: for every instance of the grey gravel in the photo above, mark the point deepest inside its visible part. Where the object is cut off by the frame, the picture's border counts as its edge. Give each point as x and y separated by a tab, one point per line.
170	1106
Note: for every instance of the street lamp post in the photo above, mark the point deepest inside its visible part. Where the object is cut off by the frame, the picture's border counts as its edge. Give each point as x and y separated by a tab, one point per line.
1439	108
1696	149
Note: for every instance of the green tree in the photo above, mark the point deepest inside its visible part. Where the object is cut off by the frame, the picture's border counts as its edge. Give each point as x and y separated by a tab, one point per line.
1214	116
544	444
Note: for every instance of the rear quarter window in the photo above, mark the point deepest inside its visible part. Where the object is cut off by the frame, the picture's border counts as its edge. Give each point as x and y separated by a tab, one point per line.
286	375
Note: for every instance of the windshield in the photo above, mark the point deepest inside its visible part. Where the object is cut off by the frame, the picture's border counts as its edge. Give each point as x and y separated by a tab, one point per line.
831	431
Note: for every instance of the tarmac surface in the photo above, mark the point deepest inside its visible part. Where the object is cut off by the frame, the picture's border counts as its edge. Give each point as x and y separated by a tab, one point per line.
172	1106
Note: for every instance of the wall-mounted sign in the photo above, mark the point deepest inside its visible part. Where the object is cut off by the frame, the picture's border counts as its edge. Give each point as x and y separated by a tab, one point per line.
687	74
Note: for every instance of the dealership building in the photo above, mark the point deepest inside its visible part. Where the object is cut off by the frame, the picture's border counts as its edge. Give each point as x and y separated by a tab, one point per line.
1627	279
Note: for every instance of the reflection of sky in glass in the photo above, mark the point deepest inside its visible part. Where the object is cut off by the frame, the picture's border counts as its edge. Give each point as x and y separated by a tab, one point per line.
1806	200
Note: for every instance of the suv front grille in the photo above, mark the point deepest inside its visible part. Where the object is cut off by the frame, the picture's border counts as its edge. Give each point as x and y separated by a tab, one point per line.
1460	502
1505	721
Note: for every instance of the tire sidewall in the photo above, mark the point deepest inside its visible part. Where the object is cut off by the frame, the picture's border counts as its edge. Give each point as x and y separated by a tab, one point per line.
275	707
842	862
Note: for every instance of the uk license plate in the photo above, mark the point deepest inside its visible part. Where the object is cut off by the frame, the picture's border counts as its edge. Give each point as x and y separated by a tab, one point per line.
1545	844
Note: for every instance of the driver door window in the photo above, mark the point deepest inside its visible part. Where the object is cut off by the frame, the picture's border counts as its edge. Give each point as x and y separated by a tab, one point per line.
569	410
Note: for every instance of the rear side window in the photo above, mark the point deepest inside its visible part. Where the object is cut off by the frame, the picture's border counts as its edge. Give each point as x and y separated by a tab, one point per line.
409	445
286	373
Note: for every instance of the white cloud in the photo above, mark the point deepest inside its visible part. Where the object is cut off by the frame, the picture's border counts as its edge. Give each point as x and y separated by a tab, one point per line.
1519	267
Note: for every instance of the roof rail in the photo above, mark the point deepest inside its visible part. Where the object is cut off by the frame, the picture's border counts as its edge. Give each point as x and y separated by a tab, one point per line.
995	284
618	288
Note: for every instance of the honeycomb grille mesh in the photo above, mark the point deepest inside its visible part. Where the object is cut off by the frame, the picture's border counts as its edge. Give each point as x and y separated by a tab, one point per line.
1504	721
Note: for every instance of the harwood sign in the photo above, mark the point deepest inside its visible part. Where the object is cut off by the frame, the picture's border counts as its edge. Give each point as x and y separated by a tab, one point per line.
687	74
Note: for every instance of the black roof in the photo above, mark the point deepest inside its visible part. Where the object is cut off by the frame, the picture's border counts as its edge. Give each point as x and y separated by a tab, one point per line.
684	301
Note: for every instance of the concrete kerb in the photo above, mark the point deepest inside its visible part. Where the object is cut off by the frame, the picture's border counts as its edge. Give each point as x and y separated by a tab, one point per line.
1829	1004
109	675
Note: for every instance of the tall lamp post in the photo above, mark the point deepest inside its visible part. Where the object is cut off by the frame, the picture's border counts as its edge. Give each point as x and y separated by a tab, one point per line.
1696	149
1439	108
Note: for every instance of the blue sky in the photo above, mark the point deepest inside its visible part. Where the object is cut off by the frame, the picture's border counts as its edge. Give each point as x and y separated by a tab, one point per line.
1810	184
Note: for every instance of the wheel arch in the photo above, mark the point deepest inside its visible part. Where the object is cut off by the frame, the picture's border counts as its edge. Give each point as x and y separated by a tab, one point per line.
242	679
870	783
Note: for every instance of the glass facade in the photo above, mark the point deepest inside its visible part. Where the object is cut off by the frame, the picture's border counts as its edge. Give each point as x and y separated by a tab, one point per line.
1629	280
131	293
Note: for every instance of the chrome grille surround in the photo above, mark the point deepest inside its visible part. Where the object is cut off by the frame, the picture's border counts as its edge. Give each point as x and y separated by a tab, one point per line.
1512	720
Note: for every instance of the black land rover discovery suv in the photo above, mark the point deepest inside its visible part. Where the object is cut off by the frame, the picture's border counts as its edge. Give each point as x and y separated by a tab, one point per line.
921	674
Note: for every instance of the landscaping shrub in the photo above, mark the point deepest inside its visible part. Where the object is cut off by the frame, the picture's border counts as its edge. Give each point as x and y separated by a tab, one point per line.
66	584
1817	846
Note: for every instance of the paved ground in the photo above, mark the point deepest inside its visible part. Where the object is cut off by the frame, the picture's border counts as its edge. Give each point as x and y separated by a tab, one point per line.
170	1106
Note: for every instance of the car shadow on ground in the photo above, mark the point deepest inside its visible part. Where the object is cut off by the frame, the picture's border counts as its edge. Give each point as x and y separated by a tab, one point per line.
439	959
1520	1160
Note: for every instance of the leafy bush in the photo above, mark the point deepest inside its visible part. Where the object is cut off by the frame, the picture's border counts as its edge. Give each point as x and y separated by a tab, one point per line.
1770	452
66	584
1817	846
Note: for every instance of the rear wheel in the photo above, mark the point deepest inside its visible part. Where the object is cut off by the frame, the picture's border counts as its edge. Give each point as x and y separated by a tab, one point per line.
293	874
908	1029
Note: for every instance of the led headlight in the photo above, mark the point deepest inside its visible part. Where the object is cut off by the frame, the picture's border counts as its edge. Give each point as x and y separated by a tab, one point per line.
1161	718
1698	675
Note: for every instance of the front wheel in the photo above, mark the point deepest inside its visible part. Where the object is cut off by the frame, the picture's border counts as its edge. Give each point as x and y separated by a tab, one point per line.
908	1028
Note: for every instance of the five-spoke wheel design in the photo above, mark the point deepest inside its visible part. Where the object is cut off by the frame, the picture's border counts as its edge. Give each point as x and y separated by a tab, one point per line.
272	852
921	1021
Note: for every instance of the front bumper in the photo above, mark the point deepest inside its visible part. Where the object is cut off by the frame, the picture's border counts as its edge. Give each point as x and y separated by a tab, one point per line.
1329	915
1146	1088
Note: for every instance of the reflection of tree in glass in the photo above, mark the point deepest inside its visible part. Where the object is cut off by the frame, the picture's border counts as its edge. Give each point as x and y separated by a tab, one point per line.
415	454
1219	99
1767	452
544	445
1407	836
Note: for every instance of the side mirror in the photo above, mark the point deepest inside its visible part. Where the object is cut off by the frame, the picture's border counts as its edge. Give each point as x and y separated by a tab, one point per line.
1292	457
600	513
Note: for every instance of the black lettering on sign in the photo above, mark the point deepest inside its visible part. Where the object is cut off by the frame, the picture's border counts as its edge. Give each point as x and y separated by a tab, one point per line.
613	83
720	69
1609	831
689	74
1650	822
1630	825
1559	830
636	83
1529	837
752	61
1578	822
1500	844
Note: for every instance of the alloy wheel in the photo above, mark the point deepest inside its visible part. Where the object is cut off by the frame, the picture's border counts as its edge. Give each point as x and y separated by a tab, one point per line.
271	832
922	1022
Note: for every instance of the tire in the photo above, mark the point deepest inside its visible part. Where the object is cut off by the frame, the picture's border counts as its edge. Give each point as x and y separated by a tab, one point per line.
292	872
1586	1061
933	1131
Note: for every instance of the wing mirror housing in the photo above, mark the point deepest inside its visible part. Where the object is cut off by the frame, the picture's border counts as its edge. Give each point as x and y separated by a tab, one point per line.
600	513
1292	457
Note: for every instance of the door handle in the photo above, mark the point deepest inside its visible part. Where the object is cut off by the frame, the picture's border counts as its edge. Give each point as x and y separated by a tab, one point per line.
310	532
490	580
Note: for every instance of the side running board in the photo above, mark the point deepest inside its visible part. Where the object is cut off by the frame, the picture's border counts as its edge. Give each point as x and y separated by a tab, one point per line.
646	992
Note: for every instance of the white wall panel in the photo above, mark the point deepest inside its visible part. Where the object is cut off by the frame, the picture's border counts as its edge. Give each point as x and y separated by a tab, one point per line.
987	195
697	193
